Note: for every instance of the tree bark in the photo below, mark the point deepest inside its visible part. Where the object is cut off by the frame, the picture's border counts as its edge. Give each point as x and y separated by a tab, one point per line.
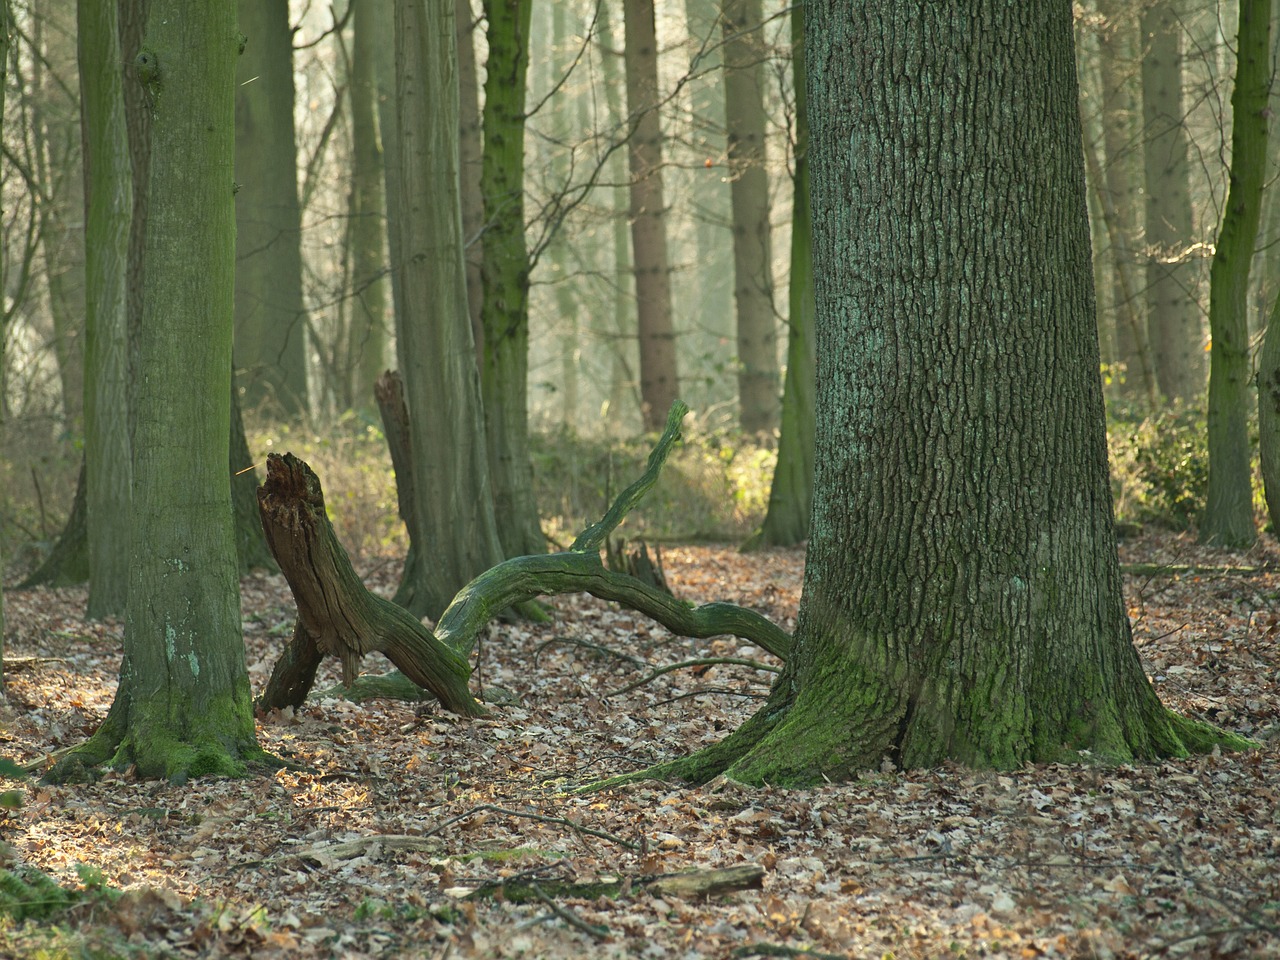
453	493
367	333
504	368
5	42
962	594
470	164
1228	515
271	321
758	375
109	195
786	522
1173	317
659	370
182	708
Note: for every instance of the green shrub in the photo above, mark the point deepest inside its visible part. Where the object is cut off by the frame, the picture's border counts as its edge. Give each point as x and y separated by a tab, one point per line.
1160	467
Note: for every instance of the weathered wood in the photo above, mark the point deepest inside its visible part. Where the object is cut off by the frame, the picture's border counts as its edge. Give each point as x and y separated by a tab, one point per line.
691	885
335	611
337	616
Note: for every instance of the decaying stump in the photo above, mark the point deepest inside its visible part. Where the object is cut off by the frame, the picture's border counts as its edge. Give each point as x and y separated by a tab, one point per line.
634	560
337	616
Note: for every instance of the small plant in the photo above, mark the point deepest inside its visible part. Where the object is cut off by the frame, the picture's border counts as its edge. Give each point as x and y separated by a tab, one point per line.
1160	467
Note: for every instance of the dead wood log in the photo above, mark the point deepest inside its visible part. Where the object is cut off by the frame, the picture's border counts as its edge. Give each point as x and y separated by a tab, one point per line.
692	885
338	616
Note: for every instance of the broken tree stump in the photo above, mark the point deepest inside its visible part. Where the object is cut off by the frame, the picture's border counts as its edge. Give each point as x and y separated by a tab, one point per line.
337	616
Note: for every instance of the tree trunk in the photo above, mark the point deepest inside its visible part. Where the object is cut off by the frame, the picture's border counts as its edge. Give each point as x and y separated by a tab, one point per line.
744	58
791	497
1118	59
436	352
5	42
271	322
1228	515
367	333
504	371
962	595
183	708
109	192
1173	316
659	372
470	164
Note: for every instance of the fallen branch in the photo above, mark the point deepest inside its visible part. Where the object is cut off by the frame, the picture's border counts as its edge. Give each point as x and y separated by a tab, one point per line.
699	662
692	885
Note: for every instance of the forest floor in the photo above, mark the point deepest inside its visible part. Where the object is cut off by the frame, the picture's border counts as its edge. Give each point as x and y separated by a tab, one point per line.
404	811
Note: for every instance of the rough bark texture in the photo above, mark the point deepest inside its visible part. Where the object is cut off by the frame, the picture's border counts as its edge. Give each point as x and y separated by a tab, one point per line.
962	595
271	322
109	195
434	344
791	495
745	54
659	372
1228	515
183	707
504	368
367	334
1173	316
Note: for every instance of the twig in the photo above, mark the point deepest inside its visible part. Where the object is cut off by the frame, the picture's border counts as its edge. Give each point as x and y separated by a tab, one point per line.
707	691
586	644
699	662
568	916
491	808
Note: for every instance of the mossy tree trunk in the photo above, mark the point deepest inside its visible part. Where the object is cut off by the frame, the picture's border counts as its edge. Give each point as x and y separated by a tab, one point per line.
434	344
962	596
791	496
659	369
1228	515
504	369
183	706
271	322
745	55
109	196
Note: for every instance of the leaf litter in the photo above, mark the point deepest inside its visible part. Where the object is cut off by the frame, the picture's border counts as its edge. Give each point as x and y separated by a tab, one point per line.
399	813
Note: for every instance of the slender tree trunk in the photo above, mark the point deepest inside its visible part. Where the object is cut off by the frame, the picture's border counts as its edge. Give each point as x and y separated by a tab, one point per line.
758	374
182	708
436	351
471	162
504	371
659	371
1228	516
271	322
367	333
962	593
109	192
791	497
1121	123
6	38
1173	316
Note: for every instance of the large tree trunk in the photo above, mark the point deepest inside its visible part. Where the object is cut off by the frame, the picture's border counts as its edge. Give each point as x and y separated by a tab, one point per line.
271	322
183	706
436	351
745	54
1228	515
1173	315
504	372
791	496
109	192
367	333
962	595
659	372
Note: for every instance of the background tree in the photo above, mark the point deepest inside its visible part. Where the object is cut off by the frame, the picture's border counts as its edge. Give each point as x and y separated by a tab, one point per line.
367	332
452	492
6	36
109	196
745	54
1228	515
271	322
505	269
1173	315
659	370
183	706
962	591
791	494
